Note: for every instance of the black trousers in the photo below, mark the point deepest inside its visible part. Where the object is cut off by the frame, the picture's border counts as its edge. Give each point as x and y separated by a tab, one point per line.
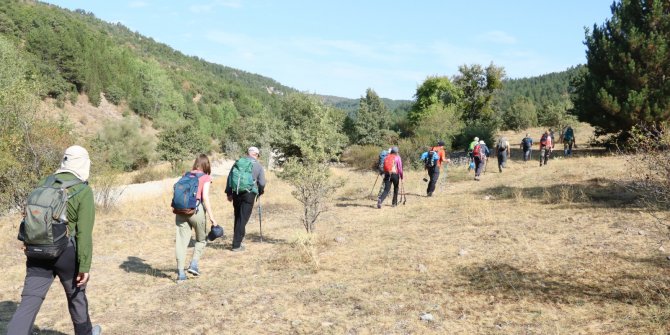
390	178
39	276
243	204
434	175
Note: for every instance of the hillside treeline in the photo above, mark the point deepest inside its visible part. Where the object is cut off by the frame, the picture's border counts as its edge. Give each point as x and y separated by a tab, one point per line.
52	53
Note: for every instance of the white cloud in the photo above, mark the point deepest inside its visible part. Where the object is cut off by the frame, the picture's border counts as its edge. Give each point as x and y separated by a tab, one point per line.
138	4
498	37
213	5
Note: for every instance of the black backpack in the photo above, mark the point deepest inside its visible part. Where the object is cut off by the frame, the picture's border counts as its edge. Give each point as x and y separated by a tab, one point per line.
429	161
526	143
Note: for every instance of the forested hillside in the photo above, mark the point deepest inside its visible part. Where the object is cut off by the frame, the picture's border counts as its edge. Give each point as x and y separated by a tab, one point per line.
74	52
541	100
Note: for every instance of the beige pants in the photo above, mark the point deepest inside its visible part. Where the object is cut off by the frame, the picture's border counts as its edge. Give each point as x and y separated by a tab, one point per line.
184	225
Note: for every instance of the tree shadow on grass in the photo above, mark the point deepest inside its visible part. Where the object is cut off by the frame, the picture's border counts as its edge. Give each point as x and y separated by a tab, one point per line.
255	237
516	284
596	192
138	265
7	309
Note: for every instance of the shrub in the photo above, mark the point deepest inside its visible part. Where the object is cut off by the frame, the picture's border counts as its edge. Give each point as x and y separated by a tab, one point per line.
362	157
650	168
312	187
121	146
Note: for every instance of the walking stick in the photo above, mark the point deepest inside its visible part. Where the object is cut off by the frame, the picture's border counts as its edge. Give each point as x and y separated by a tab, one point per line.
260	217
404	195
373	186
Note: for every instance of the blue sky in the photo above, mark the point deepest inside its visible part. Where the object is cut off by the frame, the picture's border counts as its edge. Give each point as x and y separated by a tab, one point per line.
344	47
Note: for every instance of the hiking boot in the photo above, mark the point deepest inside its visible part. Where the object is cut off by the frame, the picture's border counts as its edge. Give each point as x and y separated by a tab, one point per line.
430	194
97	330
193	269
181	278
238	249
379	204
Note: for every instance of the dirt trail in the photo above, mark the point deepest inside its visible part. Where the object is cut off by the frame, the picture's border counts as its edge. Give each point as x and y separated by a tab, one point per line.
220	169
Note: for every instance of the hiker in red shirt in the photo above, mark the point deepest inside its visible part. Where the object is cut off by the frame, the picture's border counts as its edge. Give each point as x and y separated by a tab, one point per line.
392	175
546	146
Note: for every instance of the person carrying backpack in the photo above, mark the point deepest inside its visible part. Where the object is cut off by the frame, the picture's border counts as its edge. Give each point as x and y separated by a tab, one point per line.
430	159
393	174
546	147
246	182
195	185
527	147
471	147
502	152
60	247
480	153
568	141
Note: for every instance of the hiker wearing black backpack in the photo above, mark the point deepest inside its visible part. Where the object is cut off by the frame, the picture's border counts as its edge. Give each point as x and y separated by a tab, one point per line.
568	139
430	160
191	205
527	147
246	182
502	152
546	147
393	174
57	232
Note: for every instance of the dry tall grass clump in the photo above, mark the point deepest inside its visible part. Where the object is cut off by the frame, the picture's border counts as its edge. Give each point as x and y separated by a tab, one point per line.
649	168
562	249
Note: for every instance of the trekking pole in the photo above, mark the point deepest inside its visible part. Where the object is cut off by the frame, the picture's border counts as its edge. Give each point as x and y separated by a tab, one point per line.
373	186
404	195
260	217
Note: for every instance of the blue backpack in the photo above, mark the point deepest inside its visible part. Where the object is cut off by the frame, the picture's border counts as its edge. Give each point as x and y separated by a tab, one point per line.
380	163
185	191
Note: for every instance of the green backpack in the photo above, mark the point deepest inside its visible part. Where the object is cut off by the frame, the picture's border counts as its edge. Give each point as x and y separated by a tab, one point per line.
44	227
241	179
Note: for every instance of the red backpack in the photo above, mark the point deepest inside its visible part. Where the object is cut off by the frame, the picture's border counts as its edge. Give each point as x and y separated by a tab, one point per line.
389	164
477	151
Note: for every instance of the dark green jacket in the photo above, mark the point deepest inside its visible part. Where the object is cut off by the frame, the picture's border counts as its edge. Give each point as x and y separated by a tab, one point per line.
81	217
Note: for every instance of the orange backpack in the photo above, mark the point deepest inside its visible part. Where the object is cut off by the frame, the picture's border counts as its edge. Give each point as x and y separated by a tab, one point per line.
389	164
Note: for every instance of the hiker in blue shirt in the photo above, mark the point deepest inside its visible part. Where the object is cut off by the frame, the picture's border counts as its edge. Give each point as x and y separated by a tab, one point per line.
431	165
527	147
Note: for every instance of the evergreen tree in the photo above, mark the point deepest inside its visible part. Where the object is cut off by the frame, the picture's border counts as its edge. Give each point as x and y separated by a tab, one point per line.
628	61
372	121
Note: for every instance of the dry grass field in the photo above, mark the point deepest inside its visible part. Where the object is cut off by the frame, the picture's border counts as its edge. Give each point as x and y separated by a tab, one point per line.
561	249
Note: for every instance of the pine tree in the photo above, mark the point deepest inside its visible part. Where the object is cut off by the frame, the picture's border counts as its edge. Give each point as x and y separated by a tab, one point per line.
628	62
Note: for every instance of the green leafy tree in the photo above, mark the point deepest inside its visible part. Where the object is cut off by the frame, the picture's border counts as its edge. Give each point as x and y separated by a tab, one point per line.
372	121
432	91
521	115
31	143
311	130
182	142
479	86
311	138
628	62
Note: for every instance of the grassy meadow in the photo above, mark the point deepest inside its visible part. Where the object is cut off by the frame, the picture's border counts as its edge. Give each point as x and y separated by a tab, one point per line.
561	249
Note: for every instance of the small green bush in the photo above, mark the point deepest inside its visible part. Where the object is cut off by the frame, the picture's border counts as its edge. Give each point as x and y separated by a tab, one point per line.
362	157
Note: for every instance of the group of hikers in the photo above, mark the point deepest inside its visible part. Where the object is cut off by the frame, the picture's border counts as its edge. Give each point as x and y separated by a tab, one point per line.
390	163
59	216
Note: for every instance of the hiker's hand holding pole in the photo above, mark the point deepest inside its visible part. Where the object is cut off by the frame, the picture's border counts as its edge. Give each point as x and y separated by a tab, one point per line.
229	197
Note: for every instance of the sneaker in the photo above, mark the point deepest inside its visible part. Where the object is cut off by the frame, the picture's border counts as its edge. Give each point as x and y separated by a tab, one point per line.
181	278
238	249
97	330
193	270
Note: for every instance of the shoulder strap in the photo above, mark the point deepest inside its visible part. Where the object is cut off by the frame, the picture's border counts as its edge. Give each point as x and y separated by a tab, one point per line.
64	184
